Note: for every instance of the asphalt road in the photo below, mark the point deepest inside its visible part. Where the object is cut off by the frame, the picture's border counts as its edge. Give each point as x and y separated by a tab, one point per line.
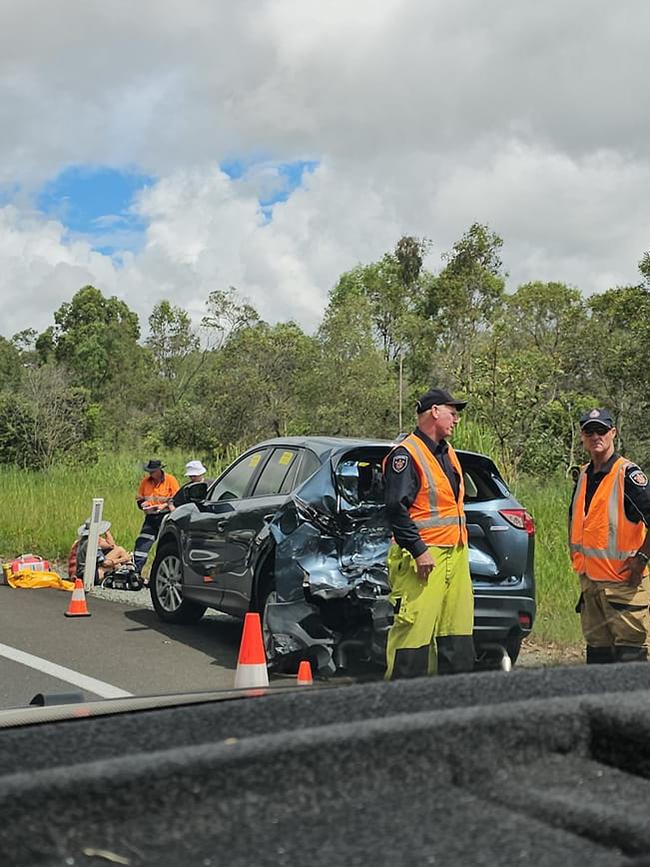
121	649
122	646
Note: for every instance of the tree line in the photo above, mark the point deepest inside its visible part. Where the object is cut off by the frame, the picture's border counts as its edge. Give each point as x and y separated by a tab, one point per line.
529	361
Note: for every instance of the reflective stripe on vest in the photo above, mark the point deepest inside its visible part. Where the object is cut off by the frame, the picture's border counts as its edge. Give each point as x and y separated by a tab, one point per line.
624	537
437	528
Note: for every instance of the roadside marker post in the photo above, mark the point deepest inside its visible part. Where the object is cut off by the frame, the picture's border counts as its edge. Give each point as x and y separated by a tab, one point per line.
93	542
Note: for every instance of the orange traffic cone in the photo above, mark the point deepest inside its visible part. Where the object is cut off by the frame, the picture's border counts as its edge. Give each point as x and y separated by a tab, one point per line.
77	606
251	663
304	674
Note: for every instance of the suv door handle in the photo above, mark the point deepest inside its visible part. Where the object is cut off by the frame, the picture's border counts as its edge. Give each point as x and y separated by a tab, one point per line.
203	557
220	526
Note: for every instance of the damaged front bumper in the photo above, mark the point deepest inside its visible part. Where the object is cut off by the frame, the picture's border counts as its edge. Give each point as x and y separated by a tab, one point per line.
331	589
296	630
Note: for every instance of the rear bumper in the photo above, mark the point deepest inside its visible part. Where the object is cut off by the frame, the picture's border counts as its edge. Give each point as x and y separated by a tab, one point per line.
498	616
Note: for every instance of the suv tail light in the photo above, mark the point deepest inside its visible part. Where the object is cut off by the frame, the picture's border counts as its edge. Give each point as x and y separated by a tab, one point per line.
525	620
519	518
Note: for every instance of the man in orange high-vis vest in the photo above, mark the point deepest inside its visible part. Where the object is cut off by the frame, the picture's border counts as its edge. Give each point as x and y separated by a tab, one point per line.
155	493
609	546
428	562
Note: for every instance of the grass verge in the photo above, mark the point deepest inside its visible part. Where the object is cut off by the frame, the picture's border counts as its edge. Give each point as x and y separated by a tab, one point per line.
40	513
557	586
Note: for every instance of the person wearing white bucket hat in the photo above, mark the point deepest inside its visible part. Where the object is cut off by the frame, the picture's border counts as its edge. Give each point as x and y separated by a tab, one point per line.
195	472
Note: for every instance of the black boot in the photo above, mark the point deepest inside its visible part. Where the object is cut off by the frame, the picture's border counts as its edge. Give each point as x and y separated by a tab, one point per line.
631	653
600	655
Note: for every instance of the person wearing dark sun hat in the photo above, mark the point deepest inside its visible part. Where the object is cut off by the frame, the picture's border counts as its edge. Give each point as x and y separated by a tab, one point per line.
428	561
155	493
609	545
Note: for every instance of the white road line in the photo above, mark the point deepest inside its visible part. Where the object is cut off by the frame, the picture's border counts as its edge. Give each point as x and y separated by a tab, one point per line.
105	690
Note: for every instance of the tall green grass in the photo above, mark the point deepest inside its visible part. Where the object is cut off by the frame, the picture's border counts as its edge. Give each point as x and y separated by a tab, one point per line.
40	513
548	501
473	437
557	584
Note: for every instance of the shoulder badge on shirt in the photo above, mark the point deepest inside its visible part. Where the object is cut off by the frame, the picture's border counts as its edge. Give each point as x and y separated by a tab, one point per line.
400	462
639	478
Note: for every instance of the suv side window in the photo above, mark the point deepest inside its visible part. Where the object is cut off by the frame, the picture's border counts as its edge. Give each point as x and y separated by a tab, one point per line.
275	471
300	471
309	465
234	484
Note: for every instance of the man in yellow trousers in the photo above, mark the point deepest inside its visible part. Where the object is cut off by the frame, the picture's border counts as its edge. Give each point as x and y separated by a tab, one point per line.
428	561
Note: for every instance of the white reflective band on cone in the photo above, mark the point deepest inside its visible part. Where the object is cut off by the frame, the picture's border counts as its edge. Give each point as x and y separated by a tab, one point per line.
251	675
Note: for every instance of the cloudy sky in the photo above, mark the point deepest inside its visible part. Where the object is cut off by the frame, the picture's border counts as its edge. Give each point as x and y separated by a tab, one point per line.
166	148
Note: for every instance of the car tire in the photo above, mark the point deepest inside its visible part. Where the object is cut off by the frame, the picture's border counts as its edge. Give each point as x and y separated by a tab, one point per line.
490	657
166	588
513	646
286	666
266	594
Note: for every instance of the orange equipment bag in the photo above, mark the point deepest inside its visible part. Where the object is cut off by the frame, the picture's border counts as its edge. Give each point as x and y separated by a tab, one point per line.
29	561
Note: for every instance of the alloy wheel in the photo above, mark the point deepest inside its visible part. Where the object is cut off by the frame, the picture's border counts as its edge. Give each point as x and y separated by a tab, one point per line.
267	635
169	588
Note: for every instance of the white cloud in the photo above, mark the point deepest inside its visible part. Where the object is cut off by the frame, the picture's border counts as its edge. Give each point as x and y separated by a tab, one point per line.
38	267
425	116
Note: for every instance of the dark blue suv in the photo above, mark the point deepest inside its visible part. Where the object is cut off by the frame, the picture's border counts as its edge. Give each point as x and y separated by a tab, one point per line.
296	529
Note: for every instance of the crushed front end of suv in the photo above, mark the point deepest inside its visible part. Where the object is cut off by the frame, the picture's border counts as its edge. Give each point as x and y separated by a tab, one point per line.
296	529
330	545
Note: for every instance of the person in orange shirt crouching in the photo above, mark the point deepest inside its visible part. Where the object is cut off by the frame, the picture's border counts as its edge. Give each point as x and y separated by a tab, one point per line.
154	495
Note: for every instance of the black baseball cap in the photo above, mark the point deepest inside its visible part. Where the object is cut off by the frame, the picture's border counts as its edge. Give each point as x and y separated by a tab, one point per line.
597	417
438	397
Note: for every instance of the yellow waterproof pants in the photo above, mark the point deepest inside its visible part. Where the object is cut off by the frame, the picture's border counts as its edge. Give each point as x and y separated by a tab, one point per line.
434	619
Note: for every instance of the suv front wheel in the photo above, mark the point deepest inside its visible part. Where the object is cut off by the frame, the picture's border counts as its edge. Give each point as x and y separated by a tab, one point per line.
166	586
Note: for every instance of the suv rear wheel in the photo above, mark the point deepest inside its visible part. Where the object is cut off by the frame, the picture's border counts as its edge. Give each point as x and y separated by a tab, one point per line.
166	586
490	656
513	646
269	598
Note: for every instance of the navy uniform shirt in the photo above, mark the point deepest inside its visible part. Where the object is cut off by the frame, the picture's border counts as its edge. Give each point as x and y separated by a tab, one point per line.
636	492
402	483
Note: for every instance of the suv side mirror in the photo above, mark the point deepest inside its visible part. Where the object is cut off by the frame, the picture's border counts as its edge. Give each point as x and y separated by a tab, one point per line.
196	492
573	473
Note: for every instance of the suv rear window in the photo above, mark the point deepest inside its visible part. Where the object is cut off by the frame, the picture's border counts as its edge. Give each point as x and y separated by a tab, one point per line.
481	481
359	478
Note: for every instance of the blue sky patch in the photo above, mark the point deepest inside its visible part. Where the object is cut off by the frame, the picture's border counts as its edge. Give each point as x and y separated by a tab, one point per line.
94	203
8	193
278	180
234	168
290	175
